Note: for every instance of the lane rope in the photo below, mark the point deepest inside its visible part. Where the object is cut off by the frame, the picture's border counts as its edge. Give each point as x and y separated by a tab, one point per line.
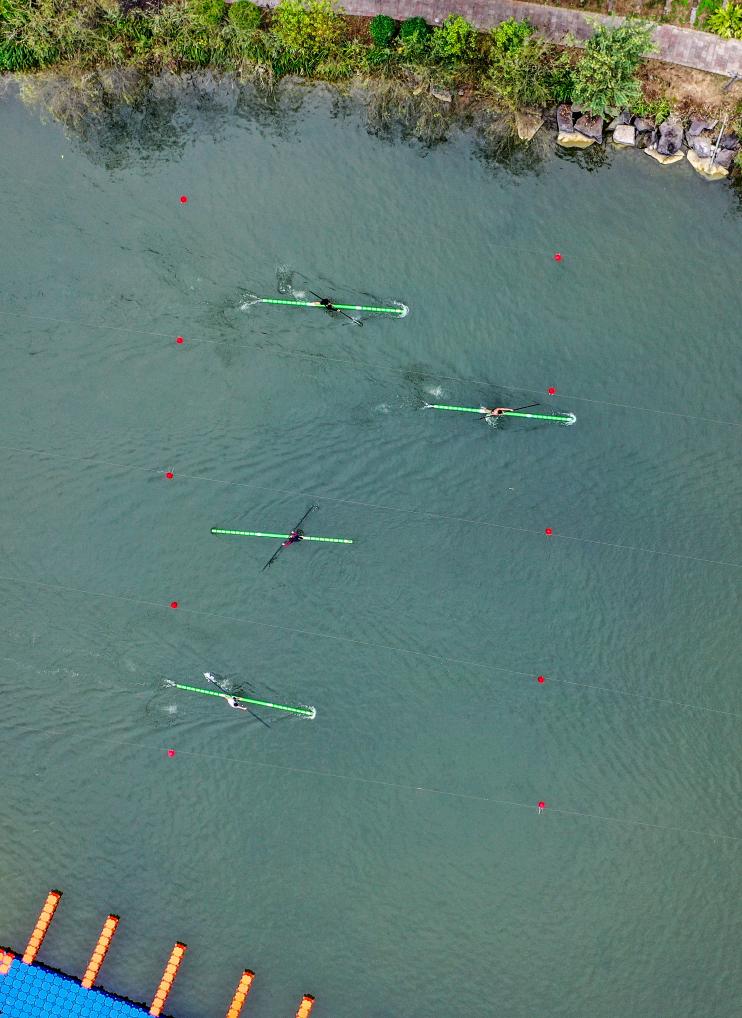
389	370
553	535
361	643
563	811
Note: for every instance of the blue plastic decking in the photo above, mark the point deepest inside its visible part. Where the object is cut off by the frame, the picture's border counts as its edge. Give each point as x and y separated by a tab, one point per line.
32	991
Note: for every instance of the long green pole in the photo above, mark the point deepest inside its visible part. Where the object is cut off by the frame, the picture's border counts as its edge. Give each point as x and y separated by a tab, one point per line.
340	307
283	537
508	413
306	712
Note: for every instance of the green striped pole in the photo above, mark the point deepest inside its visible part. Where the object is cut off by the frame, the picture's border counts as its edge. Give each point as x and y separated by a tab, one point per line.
563	418
306	712
281	537
340	307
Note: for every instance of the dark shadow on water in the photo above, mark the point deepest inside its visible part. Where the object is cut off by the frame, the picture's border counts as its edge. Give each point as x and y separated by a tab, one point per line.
120	118
591	159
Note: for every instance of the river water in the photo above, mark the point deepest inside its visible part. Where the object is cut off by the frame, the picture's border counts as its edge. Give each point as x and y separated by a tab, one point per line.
387	856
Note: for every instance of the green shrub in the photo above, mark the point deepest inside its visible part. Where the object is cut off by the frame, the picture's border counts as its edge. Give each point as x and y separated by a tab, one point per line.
383	29
726	21
511	34
534	74
414	35
653	109
309	29
455	41
207	13
604	79
14	55
245	16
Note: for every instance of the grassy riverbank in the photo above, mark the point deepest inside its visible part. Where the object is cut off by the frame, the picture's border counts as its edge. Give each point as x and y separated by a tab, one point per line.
510	68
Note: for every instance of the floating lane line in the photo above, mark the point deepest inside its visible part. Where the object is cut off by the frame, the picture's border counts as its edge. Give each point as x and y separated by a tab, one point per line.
472	797
380	506
441	658
394	371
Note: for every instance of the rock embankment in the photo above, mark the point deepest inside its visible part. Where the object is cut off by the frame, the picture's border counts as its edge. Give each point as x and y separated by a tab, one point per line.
709	151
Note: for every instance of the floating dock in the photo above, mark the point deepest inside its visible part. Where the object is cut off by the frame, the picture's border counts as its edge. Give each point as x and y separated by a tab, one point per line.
32	990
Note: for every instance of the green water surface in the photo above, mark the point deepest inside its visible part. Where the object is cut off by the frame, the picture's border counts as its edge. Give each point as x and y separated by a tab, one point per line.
388	856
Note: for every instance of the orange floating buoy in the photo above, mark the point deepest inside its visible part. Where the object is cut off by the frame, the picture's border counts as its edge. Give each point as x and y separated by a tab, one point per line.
305	1008
240	994
168	978
100	952
6	960
42	925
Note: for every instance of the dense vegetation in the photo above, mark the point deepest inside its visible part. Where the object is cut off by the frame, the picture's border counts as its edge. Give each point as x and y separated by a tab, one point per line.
311	37
510	66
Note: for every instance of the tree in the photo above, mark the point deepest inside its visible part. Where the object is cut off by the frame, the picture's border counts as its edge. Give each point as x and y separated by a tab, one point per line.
531	74
382	30
604	79
455	41
309	27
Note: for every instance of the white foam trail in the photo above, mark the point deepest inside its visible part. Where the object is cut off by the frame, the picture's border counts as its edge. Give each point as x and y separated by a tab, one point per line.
437	391
405	309
570	421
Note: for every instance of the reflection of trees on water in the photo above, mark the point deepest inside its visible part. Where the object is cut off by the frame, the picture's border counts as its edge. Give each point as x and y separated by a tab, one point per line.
120	116
395	113
590	159
498	146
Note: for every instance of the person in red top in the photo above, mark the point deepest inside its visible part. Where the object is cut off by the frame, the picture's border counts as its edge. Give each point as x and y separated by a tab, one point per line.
294	536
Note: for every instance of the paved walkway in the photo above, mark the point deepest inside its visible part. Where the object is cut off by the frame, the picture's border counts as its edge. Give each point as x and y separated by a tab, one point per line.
684	46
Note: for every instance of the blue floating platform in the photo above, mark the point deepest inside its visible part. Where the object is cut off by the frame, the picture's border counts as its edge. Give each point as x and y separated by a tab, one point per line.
34	991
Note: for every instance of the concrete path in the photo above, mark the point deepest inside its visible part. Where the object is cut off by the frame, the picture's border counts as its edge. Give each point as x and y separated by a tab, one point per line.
684	46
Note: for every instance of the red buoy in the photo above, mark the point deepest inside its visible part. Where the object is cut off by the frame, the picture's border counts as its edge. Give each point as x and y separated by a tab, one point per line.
557	257
541	678
173	604
183	199
171	752
179	339
548	531
551	390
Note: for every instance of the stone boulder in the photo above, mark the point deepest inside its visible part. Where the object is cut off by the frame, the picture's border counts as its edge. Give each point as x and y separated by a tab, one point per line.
707	169
564	118
664	160
642	124
725	158
730	141
671	137
698	125
591	127
624	117
527	125
624	134
703	147
442	94
573	139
